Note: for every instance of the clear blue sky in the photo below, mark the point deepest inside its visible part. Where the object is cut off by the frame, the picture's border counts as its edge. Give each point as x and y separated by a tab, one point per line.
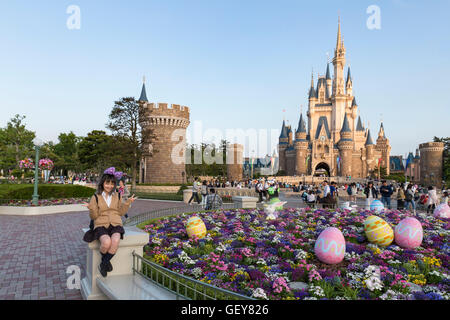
236	64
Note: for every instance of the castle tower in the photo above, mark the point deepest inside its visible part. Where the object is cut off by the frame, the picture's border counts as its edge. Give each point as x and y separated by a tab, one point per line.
328	81
165	160
370	163
431	165
339	97
349	83
282	146
385	148
301	148
312	100
345	146
235	160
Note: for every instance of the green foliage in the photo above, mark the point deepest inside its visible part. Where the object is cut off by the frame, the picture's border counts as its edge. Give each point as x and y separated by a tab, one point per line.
446	158
47	191
203	152
159	196
16	143
399	177
180	191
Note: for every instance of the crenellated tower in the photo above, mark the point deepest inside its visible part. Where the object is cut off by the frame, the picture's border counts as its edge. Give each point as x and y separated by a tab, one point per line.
384	147
345	146
301	148
165	158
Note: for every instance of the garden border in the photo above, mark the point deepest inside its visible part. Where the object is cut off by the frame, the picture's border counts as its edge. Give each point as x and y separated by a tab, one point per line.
43	210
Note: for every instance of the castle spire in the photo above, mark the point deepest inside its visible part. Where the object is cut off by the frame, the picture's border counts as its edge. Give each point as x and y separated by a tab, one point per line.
143	96
349	76
283	131
338	40
369	138
312	92
359	126
381	132
345	126
301	124
328	77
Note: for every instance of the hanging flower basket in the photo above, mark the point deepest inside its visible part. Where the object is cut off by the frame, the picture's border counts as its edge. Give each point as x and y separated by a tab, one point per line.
26	164
46	164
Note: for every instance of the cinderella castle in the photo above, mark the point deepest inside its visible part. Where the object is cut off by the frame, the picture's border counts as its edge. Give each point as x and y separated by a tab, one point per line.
335	140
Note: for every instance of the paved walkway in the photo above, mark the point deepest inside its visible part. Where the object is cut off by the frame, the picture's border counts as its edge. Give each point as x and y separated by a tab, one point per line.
35	252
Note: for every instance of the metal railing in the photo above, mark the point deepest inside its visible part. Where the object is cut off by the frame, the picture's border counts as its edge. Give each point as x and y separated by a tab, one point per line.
133	221
180	285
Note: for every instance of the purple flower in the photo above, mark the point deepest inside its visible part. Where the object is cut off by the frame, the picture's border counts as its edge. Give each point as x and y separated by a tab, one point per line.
118	175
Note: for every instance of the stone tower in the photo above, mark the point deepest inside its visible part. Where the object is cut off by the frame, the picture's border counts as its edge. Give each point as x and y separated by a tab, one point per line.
431	156
165	159
345	146
283	144
301	148
235	161
384	147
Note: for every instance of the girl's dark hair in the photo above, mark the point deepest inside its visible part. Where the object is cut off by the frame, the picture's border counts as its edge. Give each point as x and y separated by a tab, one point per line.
106	178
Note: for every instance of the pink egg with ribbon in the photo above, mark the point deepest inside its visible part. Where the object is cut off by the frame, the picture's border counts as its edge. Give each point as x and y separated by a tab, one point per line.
442	211
330	246
409	233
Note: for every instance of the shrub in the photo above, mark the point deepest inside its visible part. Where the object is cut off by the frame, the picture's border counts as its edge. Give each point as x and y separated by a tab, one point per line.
51	192
180	191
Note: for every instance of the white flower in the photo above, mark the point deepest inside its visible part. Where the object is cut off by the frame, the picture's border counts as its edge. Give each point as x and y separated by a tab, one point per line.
197	272
156	241
301	255
259	293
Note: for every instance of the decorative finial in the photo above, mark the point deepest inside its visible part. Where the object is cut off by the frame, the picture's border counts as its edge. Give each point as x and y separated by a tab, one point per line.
143	79
328	57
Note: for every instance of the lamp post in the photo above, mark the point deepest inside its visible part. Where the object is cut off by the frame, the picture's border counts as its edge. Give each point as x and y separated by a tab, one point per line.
37	143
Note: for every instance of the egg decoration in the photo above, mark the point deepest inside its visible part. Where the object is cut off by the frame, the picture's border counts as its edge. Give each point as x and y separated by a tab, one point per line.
196	227
377	206
330	246
409	233
378	231
442	211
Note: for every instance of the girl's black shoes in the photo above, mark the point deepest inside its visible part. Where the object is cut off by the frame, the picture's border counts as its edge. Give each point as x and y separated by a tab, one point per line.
103	269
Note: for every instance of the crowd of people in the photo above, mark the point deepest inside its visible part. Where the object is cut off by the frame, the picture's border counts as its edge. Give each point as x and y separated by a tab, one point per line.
408	196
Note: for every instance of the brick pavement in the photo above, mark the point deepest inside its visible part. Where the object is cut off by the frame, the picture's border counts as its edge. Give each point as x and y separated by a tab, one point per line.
35	252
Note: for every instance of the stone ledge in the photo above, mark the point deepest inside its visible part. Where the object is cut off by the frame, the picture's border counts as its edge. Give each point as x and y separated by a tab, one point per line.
33	211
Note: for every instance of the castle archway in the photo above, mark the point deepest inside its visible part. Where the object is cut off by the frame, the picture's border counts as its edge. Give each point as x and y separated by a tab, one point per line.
322	169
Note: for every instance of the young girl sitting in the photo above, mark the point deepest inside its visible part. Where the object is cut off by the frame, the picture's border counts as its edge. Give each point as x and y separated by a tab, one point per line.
106	211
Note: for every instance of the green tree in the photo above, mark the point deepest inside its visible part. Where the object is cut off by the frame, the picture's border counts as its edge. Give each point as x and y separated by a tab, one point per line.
446	158
66	152
16	143
93	150
127	121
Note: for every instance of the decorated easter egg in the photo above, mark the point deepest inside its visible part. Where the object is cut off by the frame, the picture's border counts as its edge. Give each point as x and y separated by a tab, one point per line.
330	246
378	231
377	206
442	211
196	227
409	233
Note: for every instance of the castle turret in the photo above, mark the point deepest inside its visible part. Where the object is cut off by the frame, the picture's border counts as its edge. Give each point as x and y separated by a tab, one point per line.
339	63
328	81
349	83
164	160
370	151
282	146
301	148
431	165
345	146
385	148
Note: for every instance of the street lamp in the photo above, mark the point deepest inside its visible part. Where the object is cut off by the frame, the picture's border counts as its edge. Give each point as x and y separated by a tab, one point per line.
37	143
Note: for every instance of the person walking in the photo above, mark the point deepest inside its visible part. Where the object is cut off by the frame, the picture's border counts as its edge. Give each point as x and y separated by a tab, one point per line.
204	191
432	199
123	191
401	197
371	193
386	192
195	187
409	198
213	201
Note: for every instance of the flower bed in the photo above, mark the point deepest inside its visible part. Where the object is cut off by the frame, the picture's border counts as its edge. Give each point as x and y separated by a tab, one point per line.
245	253
44	202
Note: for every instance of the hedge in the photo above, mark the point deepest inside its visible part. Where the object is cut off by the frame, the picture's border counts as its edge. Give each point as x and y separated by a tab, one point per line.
50	192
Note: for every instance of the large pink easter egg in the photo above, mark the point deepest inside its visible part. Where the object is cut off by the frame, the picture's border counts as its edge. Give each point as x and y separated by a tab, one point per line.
330	246
409	233
442	211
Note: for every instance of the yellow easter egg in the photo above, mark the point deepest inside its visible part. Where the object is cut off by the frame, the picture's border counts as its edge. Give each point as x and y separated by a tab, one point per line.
378	231
196	227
